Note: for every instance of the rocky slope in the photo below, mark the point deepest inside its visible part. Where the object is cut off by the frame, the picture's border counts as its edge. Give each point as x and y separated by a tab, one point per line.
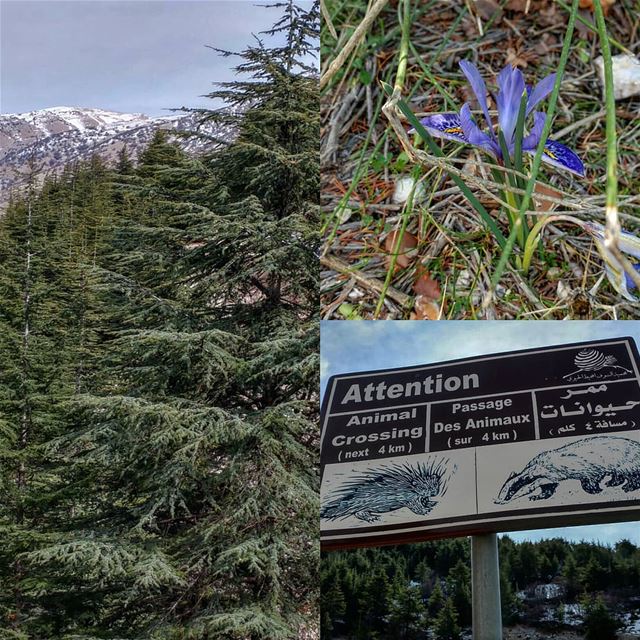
51	138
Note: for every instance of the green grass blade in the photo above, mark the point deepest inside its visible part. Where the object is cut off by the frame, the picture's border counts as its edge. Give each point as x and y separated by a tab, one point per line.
406	216
506	158
404	11
509	179
537	160
613	222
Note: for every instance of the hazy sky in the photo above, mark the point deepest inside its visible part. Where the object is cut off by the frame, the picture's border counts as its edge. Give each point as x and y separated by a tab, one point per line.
361	346
124	55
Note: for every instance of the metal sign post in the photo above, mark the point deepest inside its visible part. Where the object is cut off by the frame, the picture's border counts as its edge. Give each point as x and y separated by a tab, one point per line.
485	587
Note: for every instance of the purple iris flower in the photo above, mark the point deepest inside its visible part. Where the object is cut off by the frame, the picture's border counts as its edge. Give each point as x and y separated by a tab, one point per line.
461	127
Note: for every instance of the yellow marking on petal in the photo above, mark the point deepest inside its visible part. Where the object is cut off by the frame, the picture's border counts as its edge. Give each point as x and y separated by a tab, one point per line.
453	130
550	153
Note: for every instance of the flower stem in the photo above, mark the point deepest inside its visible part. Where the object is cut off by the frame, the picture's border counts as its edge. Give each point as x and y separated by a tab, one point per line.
537	160
403	54
612	154
510	182
612	229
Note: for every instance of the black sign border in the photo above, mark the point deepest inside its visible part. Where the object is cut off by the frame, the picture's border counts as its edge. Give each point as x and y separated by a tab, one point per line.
562	515
628	511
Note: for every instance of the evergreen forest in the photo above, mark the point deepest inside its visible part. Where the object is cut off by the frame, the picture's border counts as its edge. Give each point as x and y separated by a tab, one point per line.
403	592
159	376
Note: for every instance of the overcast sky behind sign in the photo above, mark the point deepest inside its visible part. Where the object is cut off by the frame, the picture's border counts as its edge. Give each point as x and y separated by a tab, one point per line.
364	346
140	56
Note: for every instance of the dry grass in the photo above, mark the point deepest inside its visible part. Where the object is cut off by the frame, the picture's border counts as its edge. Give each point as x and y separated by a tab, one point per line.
363	159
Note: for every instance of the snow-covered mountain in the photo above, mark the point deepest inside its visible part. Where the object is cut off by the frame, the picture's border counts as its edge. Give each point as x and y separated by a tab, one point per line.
51	138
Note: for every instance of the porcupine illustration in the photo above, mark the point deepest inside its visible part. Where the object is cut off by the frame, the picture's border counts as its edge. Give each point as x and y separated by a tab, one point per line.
589	460
389	488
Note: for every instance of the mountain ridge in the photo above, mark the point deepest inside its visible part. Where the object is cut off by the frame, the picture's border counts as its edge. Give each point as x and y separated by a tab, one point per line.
53	137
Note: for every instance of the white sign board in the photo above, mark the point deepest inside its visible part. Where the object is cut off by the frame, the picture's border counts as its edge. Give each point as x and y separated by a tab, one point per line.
536	438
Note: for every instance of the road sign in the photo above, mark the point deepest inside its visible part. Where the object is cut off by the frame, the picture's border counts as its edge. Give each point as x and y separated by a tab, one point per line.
535	438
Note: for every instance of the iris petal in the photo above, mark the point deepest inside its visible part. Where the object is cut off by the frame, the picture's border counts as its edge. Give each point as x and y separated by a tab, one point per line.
631	285
479	88
628	242
511	89
558	155
444	125
530	142
473	133
619	280
617	276
540	92
511	85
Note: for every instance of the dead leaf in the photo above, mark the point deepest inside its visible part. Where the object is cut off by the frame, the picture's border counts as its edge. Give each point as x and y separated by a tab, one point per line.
554	273
545	44
487	9
425	285
588	4
517	5
515	59
469	27
564	291
548	16
425	309
426	305
546	190
406	254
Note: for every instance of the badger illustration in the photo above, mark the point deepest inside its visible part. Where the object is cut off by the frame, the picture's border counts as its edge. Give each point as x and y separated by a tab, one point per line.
389	488
589	460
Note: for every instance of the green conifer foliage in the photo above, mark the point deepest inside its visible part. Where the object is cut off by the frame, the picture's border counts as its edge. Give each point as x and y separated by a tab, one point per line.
407	612
447	560
158	405
332	607
436	600
446	625
125	165
46	241
599	623
262	244
459	589
184	481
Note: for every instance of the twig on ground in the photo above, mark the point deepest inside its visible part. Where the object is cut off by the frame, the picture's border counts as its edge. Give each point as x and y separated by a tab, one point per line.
354	40
373	284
